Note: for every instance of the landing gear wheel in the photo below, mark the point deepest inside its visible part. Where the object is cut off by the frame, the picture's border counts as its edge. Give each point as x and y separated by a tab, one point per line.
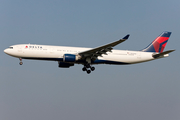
92	68
84	69
21	63
88	68
88	71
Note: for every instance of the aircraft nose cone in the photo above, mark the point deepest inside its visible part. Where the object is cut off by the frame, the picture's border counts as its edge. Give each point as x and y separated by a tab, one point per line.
5	51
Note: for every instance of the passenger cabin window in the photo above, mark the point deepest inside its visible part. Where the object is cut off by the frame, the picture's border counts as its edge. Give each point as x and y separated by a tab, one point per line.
37	47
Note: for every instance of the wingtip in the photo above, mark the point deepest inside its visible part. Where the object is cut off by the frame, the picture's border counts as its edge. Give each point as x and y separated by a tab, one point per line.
173	50
127	36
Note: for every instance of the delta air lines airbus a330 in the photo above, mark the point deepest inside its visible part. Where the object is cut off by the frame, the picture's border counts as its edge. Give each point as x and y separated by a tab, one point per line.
68	56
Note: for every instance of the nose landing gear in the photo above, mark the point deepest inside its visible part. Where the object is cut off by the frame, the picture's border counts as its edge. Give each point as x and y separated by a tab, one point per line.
20	61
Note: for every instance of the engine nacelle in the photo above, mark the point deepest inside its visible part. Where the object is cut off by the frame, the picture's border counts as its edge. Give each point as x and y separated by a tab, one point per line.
65	65
70	58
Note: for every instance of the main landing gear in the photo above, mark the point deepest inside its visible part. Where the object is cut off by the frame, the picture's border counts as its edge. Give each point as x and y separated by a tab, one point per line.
20	61
88	68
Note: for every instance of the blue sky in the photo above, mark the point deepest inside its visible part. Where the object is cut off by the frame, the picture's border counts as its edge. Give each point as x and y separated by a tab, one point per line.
40	90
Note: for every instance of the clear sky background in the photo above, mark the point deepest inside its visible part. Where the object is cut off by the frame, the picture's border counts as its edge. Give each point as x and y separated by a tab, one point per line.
39	90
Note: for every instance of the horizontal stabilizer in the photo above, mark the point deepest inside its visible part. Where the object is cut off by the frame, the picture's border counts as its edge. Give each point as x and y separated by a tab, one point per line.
156	55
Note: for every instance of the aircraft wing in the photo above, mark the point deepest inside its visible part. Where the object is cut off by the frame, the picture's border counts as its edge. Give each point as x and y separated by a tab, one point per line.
95	52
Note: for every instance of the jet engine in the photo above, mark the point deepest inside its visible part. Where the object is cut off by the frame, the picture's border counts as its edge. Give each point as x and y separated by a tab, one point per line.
70	58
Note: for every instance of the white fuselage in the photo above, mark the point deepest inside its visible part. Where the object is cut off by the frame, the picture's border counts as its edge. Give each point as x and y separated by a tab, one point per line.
55	53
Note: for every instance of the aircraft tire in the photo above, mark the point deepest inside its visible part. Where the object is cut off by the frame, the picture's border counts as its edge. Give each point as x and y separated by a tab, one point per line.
88	71
84	69
20	63
92	68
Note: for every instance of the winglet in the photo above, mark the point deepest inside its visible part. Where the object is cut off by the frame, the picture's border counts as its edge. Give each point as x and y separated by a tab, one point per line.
127	36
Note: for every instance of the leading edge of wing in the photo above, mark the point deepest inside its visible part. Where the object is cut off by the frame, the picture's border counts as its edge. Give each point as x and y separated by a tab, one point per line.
103	49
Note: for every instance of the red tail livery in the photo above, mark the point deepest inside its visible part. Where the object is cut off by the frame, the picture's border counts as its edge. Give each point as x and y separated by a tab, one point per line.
159	43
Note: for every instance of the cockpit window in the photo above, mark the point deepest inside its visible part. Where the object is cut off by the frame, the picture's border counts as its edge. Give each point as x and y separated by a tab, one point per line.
10	47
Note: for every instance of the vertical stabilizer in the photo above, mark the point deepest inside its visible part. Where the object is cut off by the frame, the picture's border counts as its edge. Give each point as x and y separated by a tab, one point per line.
159	43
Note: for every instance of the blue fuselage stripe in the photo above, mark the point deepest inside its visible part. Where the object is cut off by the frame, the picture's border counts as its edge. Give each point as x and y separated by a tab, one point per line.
81	62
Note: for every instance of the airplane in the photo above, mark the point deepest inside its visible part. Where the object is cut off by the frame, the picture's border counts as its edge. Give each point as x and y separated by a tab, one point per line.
68	56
